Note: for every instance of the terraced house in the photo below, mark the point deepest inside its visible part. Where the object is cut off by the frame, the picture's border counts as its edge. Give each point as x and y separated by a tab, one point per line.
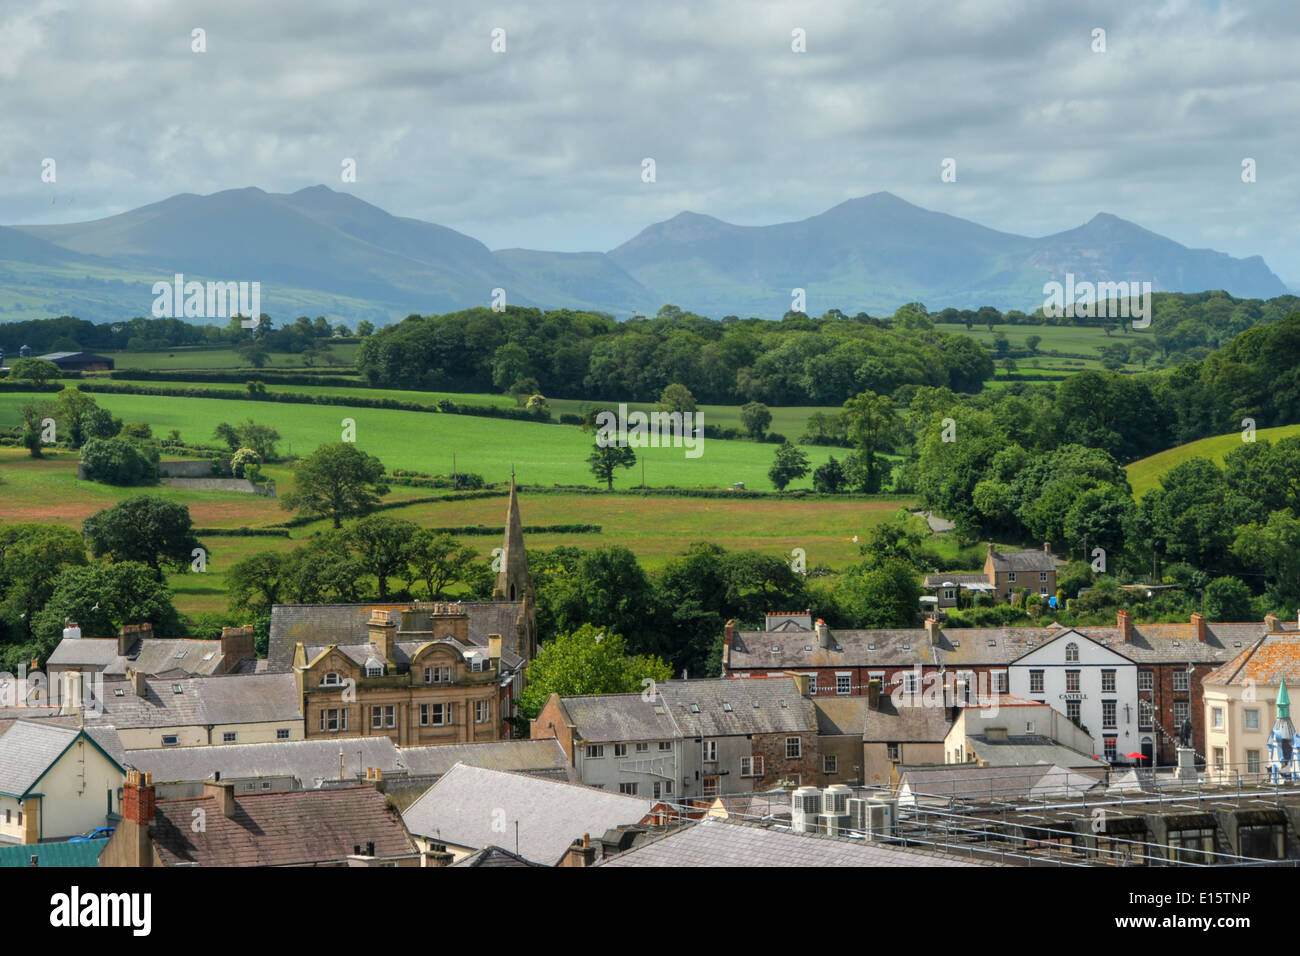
1167	661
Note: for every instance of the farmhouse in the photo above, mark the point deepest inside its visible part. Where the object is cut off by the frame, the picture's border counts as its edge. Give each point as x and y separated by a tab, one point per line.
1004	571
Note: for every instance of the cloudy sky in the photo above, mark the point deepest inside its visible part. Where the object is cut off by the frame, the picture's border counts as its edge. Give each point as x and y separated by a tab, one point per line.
541	146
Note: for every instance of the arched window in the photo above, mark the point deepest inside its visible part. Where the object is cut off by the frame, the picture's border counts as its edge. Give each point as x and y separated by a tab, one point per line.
331	679
1072	653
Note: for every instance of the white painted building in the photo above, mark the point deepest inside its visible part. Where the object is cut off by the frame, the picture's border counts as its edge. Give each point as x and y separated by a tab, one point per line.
1091	684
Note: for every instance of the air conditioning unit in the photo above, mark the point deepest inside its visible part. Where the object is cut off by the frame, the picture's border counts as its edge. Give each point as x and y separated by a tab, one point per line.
875	818
835	799
834	824
806	805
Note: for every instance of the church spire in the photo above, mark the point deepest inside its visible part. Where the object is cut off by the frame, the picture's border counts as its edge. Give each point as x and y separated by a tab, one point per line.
513	581
1283	702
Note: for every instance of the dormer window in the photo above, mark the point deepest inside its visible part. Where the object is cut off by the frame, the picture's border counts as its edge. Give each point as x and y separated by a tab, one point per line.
374	670
331	679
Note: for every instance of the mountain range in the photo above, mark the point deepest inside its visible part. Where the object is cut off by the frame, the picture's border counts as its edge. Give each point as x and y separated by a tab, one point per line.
322	252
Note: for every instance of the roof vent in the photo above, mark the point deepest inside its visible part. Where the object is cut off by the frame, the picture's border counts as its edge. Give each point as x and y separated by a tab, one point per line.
176	688
956	643
807	647
695	708
181	653
783	703
907	647
776	648
756	705
726	706
993	643
871	647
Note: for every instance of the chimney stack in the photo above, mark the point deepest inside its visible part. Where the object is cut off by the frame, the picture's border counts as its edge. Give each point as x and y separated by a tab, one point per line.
138	797
1271	623
990	549
802	684
823	635
1125	625
1047	547
729	634
139	683
873	693
382	628
131	634
1198	625
932	631
236	646
223	791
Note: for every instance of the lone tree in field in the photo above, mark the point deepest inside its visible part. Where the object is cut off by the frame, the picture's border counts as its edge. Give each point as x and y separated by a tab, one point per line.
148	529
790	463
336	481
755	419
605	458
35	370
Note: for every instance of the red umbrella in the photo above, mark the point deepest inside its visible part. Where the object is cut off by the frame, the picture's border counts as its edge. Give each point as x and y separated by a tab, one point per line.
1135	756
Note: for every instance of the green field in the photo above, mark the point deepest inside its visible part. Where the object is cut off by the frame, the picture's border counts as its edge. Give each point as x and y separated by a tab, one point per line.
418	441
1145	474
183	359
789	421
654	528
1069	340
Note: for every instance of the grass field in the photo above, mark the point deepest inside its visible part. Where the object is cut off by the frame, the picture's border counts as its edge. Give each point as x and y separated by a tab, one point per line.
1068	339
655	529
1145	474
418	441
199	358
789	421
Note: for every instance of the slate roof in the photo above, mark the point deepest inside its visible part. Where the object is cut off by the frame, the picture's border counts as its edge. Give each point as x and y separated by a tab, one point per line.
544	757
230	699
461	808
611	718
945	577
150	656
82	853
892	724
319	625
307	760
717	842
495	856
1270	660
971	647
1034	560
1020	750
755	707
973	782
294	828
27	751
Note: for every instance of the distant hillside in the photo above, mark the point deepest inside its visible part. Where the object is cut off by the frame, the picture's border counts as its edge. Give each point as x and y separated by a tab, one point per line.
1145	473
321	252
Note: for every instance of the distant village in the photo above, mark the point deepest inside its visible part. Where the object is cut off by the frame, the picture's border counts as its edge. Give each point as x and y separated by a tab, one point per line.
382	735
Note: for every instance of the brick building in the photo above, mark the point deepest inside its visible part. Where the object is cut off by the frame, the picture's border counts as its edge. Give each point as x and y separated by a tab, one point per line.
1169	660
